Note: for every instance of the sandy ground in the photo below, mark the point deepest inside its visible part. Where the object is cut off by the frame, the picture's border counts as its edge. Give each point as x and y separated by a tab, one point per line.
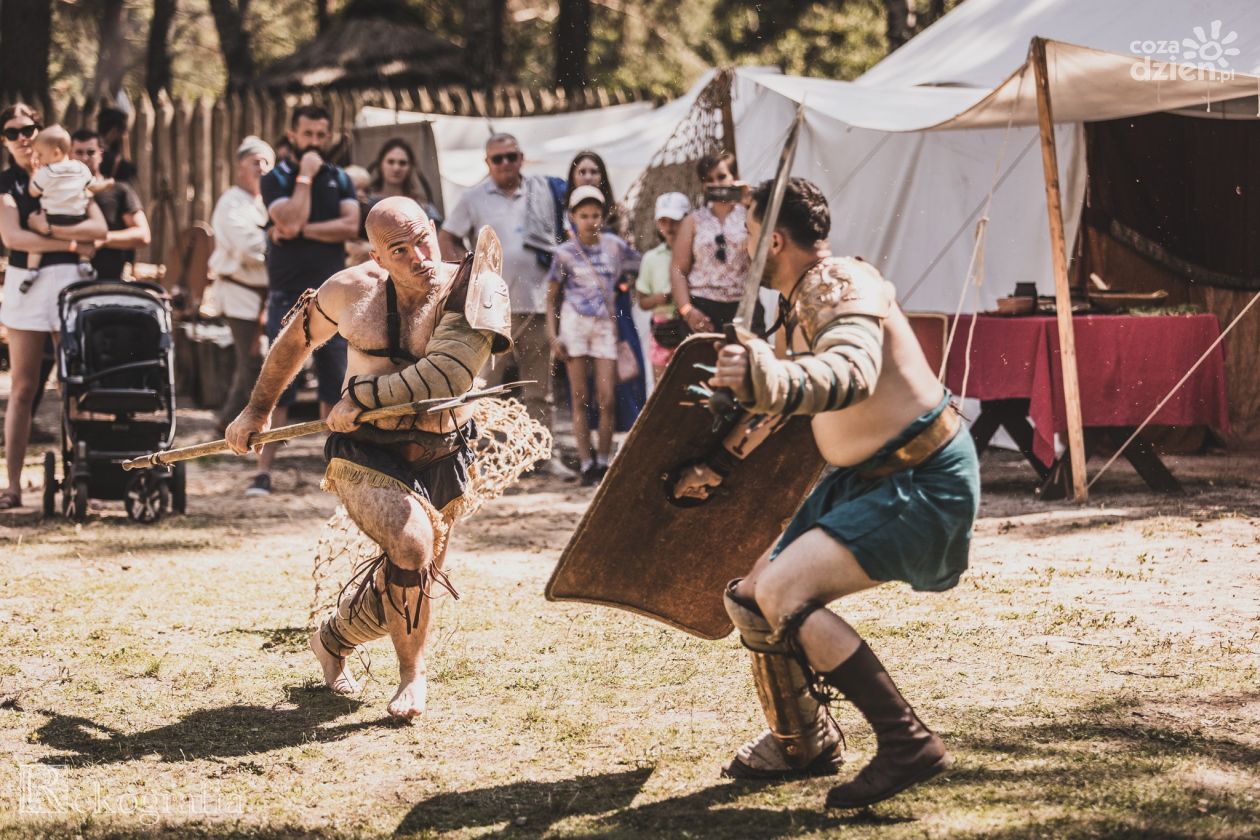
1096	673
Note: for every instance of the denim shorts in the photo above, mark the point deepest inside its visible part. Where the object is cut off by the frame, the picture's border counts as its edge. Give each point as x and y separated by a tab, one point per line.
330	359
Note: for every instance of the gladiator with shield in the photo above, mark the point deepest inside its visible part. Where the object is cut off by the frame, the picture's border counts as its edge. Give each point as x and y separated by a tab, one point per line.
417	329
899	506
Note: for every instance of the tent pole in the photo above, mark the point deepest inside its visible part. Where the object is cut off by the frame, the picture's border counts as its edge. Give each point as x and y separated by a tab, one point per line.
1062	292
727	80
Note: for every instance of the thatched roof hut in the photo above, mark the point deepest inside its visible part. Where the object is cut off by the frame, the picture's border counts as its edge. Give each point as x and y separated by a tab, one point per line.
369	43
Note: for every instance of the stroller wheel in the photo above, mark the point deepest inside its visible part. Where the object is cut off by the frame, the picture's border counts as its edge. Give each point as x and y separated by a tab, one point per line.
179	489
50	484
77	505
148	498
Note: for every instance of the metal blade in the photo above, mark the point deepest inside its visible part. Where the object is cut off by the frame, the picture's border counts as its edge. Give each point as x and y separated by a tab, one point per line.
748	303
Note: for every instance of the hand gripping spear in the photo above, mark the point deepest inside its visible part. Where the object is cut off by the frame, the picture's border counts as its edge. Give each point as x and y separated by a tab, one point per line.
721	401
217	447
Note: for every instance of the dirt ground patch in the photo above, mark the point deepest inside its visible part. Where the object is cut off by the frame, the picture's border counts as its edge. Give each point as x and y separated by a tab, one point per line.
1096	673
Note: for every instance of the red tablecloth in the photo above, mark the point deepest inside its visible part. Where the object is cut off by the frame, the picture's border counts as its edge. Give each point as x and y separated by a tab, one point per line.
1126	365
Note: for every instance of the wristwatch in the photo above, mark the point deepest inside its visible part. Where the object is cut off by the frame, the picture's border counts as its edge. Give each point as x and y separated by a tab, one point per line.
304	179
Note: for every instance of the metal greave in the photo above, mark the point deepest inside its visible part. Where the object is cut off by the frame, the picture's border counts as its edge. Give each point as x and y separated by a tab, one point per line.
799	723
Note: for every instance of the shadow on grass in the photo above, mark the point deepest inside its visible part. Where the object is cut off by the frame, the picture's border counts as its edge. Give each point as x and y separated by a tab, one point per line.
533	808
224	732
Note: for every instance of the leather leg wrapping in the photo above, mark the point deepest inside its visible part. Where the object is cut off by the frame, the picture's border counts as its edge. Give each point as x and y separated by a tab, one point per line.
360	613
359	616
800	724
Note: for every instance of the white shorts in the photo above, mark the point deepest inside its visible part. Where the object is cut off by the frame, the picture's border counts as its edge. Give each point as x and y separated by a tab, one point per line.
36	308
593	336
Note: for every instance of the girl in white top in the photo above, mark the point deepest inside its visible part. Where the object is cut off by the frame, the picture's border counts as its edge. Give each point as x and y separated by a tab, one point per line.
710	260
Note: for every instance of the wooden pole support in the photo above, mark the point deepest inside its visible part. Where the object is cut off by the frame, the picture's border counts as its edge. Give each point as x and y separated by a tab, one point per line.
1062	292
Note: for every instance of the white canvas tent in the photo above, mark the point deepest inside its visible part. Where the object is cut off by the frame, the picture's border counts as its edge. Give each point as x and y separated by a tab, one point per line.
909	153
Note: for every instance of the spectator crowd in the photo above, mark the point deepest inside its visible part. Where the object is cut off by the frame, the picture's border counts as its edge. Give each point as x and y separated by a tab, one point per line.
292	218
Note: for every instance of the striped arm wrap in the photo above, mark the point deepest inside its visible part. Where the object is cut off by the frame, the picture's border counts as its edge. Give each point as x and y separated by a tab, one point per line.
841	371
453	356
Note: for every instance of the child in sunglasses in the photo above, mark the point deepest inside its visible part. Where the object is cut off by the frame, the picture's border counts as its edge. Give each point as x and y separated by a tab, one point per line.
63	185
587	270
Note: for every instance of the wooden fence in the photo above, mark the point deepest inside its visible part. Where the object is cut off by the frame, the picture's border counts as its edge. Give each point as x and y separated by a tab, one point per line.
184	151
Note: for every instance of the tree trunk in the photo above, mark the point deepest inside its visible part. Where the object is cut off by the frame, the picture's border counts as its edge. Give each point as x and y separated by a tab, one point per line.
25	38
573	43
900	22
233	43
157	74
111	52
322	17
935	11
483	41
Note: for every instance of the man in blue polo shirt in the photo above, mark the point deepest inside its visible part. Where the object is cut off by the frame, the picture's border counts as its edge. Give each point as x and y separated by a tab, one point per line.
313	211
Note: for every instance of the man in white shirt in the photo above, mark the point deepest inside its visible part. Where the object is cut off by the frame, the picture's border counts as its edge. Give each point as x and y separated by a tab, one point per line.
240	268
503	202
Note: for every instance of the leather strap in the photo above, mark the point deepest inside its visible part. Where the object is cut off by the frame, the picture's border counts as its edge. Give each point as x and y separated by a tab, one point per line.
921	447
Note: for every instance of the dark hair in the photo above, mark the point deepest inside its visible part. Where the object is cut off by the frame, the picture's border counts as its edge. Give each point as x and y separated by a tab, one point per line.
415	183
713	160
804	215
19	109
109	119
587	201
84	135
311	112
605	186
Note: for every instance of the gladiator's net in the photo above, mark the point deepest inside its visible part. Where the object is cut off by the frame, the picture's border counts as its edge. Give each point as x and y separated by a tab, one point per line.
508	442
673	167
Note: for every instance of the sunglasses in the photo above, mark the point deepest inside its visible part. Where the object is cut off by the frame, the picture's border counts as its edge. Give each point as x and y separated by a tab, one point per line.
720	241
27	131
505	157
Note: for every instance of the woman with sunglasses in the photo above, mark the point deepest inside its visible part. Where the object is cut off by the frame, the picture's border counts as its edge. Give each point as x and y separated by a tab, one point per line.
710	261
29	310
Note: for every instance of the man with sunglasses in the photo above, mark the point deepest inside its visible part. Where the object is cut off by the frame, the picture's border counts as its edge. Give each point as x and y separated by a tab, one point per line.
512	204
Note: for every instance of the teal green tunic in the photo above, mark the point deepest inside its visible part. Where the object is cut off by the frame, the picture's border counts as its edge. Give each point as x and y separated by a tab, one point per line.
914	525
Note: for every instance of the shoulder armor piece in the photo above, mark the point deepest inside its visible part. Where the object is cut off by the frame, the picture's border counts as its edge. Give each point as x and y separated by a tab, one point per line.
836	287
483	297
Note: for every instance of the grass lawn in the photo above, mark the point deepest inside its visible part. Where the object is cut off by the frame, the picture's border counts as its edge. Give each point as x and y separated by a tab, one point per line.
1096	674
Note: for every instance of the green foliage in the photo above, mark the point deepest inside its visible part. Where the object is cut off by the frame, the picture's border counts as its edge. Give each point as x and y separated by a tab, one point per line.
657	45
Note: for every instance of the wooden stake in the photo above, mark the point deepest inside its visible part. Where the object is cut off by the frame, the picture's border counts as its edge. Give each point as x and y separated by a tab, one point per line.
1062	292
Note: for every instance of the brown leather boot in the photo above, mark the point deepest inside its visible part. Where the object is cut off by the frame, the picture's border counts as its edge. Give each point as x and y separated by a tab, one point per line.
907	752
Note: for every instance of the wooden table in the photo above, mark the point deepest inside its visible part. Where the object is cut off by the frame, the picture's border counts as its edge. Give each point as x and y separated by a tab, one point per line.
1126	363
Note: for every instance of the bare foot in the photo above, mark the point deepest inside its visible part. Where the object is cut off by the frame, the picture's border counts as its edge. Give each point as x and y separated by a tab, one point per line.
408	702
336	674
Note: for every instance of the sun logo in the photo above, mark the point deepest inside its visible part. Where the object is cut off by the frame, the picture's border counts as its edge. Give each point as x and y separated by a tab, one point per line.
1209	51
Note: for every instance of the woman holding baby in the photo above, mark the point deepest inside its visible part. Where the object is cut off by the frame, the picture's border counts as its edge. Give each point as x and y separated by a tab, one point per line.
43	260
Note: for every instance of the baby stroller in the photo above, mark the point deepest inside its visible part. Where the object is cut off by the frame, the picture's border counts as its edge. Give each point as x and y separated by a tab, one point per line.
116	368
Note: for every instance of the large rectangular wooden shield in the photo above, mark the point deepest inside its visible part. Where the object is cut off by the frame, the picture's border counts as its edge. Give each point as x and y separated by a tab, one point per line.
637	550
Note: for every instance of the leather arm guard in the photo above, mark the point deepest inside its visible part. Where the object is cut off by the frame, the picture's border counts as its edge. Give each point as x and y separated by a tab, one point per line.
800	724
839	306
842	371
452	358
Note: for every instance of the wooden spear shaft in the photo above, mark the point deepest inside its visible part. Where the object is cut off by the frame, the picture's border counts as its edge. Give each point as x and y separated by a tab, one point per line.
218	447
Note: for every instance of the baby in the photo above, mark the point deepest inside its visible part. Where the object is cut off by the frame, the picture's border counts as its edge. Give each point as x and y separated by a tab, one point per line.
64	186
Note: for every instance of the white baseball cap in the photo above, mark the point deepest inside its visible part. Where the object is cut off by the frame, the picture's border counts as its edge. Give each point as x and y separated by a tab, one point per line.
672	205
586	192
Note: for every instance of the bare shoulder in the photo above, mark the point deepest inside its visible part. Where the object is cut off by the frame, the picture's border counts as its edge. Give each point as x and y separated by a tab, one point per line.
349	288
